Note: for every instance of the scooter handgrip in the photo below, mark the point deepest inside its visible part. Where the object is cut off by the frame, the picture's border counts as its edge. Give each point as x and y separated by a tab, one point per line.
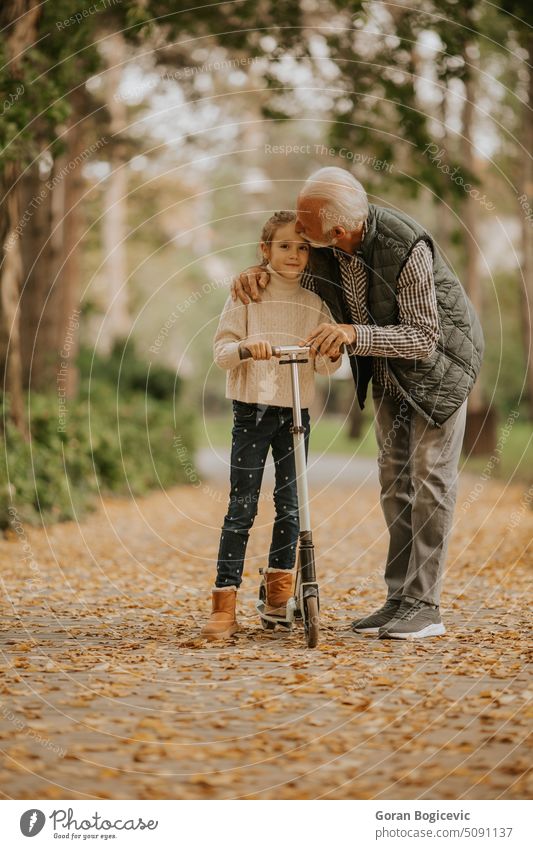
246	355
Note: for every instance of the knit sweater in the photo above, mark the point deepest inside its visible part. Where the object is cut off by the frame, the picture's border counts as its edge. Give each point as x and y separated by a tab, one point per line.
286	315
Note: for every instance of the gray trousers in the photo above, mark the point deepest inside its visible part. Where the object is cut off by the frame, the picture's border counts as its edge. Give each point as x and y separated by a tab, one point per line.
418	477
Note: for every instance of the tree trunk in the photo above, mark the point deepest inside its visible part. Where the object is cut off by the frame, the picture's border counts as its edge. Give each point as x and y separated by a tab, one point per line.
446	220
20	18
18	23
10	280
526	192
68	218
480	430
50	302
355	420
470	210
116	322
39	312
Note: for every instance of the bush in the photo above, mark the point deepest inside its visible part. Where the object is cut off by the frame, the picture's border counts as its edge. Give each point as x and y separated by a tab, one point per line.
125	371
114	442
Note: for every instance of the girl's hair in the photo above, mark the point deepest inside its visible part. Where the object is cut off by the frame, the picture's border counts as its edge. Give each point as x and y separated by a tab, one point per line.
274	222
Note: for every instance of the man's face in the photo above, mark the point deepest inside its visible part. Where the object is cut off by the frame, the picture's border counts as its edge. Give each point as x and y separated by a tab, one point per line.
309	222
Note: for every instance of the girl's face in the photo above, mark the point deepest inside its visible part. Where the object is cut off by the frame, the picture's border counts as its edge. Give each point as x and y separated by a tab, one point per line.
288	253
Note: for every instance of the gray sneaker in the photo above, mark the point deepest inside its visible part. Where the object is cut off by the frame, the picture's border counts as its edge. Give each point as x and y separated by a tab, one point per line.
372	623
413	620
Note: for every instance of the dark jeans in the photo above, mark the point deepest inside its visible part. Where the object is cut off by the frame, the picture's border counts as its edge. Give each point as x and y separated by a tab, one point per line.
256	428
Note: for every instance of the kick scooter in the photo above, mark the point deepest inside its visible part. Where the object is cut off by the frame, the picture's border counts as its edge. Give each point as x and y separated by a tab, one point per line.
304	604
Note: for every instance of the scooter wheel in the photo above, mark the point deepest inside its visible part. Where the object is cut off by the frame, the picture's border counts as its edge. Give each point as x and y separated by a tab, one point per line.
311	621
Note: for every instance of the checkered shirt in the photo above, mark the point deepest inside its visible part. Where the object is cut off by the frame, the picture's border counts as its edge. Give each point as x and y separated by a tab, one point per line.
417	332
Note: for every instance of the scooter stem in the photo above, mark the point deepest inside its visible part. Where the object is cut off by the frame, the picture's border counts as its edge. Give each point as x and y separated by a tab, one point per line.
298	435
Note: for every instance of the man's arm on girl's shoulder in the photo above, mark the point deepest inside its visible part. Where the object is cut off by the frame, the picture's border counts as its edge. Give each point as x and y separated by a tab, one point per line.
232	330
247	286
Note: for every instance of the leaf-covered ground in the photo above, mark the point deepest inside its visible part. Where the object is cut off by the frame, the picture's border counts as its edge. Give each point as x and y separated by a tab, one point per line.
108	691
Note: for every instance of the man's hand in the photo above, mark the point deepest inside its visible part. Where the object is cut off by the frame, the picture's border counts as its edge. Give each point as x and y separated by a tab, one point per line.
327	339
258	350
248	284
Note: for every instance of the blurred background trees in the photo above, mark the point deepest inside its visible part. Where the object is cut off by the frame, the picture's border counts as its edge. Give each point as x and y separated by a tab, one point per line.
143	145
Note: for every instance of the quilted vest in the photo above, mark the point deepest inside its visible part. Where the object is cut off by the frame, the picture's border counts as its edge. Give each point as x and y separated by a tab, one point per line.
436	386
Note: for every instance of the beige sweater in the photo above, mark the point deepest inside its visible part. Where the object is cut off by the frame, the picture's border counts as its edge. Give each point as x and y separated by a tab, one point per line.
286	315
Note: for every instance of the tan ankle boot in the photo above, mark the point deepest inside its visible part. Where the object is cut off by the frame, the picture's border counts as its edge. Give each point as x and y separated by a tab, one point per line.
222	622
278	590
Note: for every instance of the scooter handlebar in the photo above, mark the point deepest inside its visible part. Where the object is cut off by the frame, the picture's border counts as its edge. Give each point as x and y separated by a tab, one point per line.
286	350
279	351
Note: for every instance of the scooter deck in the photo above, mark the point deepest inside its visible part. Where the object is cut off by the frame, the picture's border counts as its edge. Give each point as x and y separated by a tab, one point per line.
286	622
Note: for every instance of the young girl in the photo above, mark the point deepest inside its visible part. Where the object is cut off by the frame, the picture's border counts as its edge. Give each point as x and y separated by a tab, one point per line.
262	410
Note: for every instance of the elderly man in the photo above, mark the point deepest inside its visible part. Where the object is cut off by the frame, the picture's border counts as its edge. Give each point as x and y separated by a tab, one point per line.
408	327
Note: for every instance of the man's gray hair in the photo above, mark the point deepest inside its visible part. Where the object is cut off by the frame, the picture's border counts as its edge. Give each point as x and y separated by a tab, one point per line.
345	200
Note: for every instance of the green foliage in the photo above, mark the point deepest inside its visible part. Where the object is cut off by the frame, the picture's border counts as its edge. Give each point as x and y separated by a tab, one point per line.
47	73
378	103
126	372
240	25
120	442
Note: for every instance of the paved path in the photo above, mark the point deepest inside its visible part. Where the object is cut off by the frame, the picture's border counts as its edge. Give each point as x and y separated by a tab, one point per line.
213	465
108	691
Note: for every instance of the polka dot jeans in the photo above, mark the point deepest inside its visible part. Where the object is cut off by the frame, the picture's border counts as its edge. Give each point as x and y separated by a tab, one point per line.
256	429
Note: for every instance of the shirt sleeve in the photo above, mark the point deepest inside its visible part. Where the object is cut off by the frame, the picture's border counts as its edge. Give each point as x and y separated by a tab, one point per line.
417	332
324	365
232	329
